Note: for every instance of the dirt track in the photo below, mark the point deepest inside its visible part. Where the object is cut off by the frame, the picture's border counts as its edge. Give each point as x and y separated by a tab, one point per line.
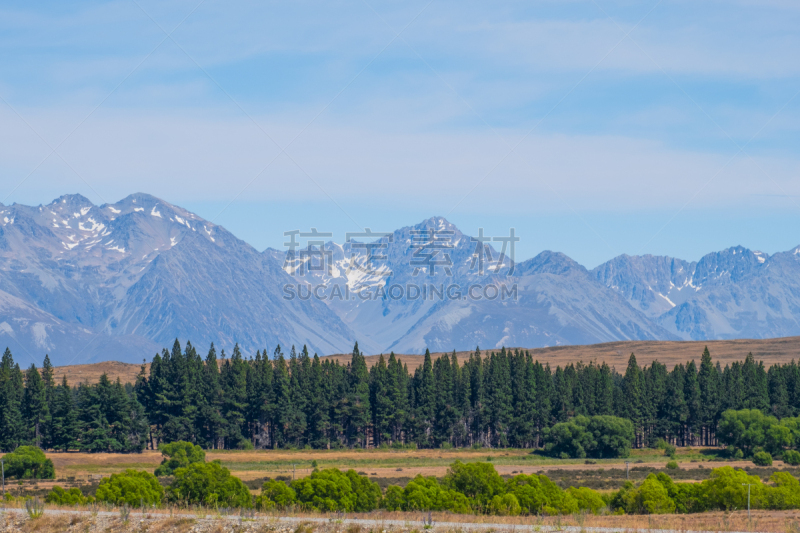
84	521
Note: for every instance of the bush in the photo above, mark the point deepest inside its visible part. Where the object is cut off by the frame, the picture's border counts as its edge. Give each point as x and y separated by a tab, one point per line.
333	490
477	481
393	499
537	494
244	444
587	499
672	465
276	495
208	484
59	496
426	494
725	490
368	493
651	497
597	437
179	454
132	487
791	457
762	459
750	430
505	505
28	462
785	494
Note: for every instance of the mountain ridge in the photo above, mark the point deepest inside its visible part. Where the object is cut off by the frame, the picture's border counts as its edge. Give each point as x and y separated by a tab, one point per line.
119	281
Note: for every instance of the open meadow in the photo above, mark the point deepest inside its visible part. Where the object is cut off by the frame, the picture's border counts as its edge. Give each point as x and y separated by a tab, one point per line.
399	466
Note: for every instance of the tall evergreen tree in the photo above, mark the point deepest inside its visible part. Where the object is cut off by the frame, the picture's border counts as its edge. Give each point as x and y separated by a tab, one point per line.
36	411
708	383
360	411
12	427
691	394
63	431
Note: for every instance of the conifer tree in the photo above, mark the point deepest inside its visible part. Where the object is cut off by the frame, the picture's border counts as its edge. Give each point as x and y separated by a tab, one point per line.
233	378
35	408
424	400
397	388
477	420
319	423
63	431
691	394
675	411
380	400
360	411
12	428
498	398
633	397
213	426
48	379
708	383
756	387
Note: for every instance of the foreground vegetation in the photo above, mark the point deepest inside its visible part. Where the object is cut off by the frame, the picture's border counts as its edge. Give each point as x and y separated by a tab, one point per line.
467	488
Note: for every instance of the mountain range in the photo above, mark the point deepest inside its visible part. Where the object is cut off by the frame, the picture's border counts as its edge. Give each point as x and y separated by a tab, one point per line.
89	283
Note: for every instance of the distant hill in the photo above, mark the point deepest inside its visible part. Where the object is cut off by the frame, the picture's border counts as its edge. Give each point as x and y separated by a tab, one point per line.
616	354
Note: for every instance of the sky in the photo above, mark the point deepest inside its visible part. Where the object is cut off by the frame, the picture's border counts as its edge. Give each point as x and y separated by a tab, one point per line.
592	128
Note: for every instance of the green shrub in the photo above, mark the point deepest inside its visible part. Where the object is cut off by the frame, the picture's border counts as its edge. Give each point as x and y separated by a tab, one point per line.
179	454
762	459
651	497
791	457
587	499
276	495
752	431
393	500
506	505
536	494
333	490
599	437
669	450
672	465
28	462
426	494
244	444
785	494
725	490
132	487
477	481
208	484
368	493
59	496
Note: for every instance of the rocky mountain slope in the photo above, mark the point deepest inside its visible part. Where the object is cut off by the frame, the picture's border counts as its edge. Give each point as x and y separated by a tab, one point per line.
735	293
119	281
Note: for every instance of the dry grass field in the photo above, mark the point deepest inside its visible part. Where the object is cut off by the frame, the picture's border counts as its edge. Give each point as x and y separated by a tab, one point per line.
404	464
616	354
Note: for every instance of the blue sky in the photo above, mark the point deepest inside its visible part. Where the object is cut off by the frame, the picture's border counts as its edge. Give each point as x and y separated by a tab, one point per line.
594	128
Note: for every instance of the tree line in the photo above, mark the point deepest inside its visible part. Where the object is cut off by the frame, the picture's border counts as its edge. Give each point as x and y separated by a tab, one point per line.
498	399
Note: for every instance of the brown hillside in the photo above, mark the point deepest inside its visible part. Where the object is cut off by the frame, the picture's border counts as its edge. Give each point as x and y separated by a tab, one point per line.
616	354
